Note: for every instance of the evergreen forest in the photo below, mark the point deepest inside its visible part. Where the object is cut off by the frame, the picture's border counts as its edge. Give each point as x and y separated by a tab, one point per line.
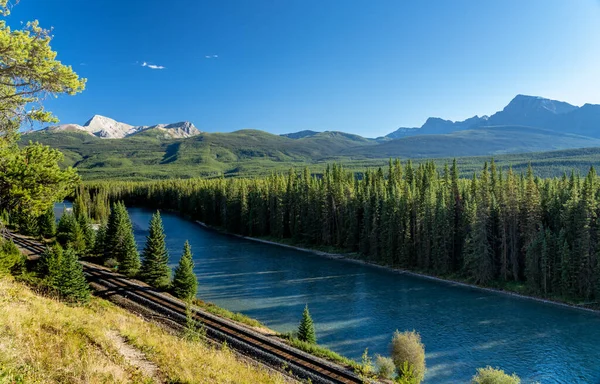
499	228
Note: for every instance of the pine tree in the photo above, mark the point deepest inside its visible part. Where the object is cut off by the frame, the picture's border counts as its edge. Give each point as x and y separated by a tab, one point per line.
47	224
65	227
185	283
155	269
306	329
100	242
50	261
120	241
88	232
70	281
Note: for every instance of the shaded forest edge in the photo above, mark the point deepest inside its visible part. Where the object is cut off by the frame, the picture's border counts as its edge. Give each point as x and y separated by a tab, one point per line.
339	254
516	232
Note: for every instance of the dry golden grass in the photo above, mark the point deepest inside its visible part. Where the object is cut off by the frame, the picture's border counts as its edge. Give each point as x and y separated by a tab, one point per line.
45	341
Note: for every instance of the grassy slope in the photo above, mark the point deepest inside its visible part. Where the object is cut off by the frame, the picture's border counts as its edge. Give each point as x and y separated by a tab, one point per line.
45	341
256	153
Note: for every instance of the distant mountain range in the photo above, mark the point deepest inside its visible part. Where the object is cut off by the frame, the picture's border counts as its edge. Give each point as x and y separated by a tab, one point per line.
527	124
107	128
527	111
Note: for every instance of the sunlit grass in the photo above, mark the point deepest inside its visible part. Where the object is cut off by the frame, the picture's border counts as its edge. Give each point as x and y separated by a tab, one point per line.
45	341
235	316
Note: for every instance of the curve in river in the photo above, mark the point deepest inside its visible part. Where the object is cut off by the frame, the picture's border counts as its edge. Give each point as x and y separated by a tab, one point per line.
357	306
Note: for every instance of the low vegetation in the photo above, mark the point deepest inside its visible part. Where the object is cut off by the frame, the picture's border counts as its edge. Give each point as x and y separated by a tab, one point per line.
46	341
408	355
235	316
319	351
491	375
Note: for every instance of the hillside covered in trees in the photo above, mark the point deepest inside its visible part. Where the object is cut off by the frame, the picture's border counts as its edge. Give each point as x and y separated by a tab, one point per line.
535	235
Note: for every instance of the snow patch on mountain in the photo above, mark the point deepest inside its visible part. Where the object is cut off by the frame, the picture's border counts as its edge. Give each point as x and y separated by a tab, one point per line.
107	128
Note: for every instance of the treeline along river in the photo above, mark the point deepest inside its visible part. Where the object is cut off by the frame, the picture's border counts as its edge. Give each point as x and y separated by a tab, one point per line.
499	228
357	306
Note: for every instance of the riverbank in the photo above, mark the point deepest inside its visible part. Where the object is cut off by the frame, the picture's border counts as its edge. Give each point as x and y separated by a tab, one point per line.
348	257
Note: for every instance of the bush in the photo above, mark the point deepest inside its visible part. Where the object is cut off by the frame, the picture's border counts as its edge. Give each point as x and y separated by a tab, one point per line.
11	258
385	367
111	263
408	354
489	375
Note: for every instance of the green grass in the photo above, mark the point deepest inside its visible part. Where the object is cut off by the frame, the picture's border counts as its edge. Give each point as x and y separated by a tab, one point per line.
235	316
319	351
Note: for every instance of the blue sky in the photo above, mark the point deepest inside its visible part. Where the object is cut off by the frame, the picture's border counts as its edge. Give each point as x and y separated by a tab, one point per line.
366	67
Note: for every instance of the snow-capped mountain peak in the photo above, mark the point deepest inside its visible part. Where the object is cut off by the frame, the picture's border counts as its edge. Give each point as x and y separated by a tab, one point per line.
107	128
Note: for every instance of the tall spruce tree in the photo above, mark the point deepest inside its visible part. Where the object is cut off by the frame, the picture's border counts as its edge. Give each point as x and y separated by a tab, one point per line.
100	242
88	232
185	283
306	329
155	269
120	241
70	281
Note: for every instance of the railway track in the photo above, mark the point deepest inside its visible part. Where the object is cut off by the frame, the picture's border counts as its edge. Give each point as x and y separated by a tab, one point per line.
247	341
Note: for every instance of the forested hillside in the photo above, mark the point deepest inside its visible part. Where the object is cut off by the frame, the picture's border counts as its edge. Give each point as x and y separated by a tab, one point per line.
148	155
499	228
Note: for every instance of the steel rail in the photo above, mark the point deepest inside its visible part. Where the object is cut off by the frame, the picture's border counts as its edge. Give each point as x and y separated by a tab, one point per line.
303	364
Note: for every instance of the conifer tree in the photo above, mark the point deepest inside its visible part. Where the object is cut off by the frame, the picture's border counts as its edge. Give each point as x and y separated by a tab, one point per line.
306	329
493	228
120	241
67	230
100	242
155	269
47	224
50	261
185	283
70	281
88	233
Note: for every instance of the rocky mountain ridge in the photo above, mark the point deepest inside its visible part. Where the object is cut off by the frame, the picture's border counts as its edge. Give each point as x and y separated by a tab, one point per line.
523	110
107	128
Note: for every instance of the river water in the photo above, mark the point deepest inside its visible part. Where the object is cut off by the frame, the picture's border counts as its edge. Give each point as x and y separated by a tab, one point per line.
356	306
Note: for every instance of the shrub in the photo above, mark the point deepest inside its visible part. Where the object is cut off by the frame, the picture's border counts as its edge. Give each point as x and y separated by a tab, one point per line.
489	375
385	367
111	263
11	258
408	354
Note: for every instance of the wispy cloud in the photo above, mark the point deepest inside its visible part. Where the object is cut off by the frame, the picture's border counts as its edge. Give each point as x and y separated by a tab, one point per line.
211	56
152	66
